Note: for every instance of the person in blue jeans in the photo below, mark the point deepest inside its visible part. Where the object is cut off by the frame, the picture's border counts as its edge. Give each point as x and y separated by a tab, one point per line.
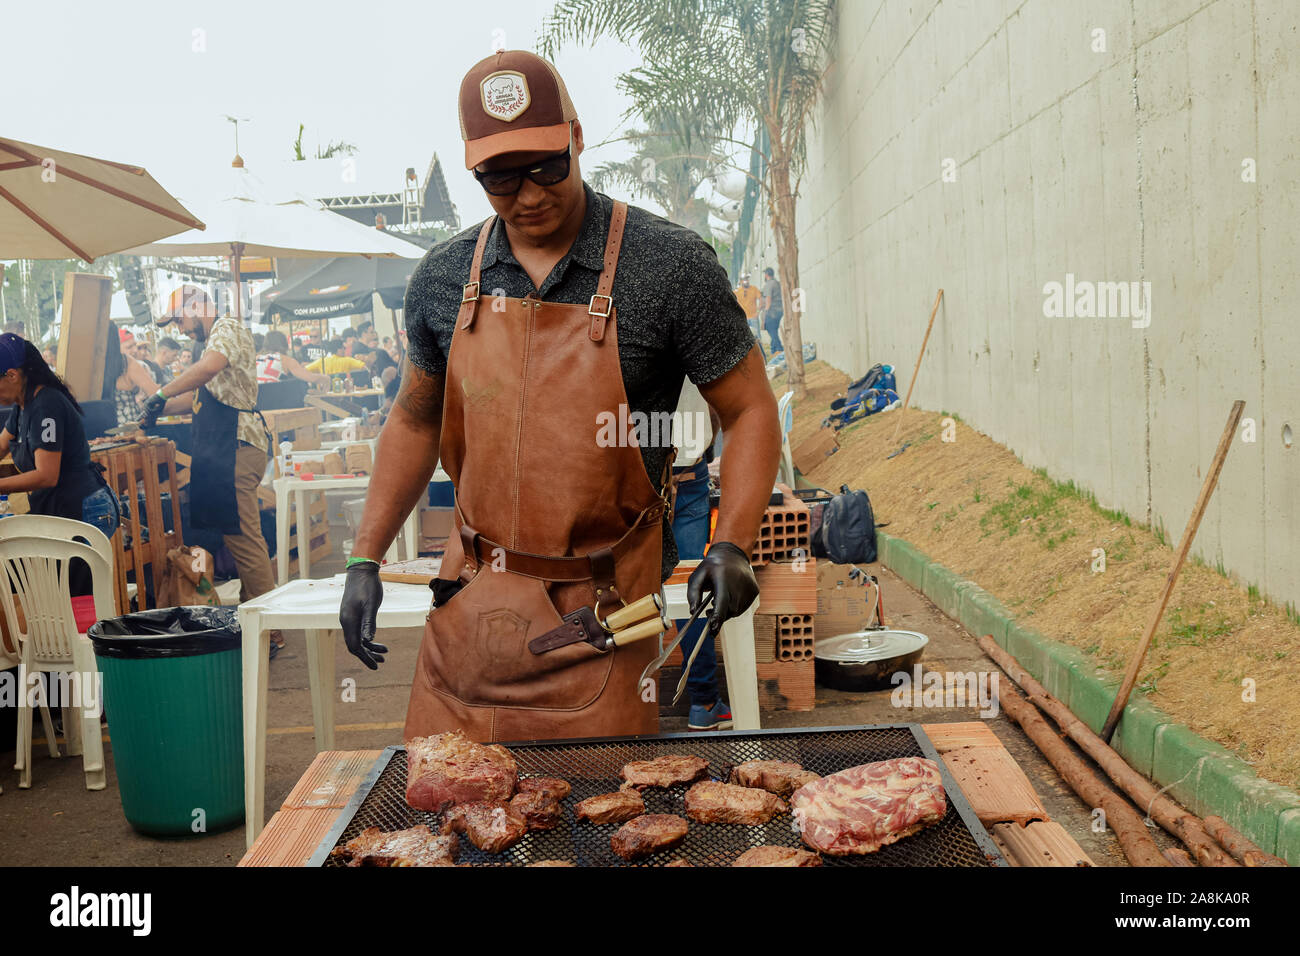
773	309
691	532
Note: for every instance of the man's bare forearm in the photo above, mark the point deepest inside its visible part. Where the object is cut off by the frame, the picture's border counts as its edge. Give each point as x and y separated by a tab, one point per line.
404	461
749	463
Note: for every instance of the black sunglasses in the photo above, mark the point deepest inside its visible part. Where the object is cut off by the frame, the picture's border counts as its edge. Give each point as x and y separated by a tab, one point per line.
546	172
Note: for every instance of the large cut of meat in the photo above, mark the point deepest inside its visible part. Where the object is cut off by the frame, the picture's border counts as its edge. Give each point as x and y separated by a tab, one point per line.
556	787
861	809
415	846
539	808
711	801
490	825
648	834
450	768
666	771
775	776
611	807
777	856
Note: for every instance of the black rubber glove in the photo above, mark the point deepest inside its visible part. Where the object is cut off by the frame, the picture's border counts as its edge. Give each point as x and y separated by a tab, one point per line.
362	595
153	406
725	573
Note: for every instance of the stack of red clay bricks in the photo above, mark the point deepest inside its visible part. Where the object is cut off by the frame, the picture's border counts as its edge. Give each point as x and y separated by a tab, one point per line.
787	601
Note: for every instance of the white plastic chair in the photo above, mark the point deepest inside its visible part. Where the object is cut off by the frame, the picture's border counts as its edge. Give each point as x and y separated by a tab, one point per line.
785	411
35	554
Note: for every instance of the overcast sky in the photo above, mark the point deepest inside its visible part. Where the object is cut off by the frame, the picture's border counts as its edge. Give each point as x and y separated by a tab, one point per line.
123	80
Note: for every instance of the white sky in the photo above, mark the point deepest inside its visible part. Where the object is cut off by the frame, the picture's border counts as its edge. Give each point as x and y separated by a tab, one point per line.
121	80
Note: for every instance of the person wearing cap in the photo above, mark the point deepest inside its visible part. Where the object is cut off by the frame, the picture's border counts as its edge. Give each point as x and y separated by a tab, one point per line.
747	296
229	437
536	339
44	433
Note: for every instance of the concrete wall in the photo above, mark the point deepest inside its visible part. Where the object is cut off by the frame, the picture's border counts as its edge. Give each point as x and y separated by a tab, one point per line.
1117	166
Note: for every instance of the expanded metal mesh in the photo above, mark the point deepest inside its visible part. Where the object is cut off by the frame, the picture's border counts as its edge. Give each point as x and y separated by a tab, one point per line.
592	767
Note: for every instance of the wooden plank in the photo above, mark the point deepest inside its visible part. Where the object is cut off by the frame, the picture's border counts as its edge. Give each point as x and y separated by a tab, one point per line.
83	336
331	779
282	420
290	837
997	789
962	733
1041	843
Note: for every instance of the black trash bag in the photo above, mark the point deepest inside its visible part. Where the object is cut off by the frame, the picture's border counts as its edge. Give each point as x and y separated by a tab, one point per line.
847	531
167	632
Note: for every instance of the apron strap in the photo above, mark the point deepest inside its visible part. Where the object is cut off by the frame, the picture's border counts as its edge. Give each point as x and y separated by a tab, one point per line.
601	304
469	295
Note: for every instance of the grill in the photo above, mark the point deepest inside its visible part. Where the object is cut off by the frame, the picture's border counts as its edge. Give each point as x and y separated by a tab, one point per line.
592	767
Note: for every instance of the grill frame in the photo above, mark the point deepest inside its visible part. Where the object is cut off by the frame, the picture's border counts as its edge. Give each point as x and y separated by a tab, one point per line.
958	840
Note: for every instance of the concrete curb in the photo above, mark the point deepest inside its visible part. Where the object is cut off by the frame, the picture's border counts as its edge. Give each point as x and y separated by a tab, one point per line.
1200	774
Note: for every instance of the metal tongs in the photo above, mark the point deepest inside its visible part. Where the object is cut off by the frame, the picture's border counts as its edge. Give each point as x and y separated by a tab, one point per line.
658	662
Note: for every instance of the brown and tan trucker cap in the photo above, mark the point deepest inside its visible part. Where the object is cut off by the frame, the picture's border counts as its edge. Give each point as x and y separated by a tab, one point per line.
513	101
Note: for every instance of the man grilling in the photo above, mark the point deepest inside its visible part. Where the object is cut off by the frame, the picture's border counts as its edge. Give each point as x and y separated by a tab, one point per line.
526	333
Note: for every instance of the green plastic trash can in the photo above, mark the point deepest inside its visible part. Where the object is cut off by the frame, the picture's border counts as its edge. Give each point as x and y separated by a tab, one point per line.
172	692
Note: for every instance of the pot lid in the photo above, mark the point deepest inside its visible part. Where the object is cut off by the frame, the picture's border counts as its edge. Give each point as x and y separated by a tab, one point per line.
862	647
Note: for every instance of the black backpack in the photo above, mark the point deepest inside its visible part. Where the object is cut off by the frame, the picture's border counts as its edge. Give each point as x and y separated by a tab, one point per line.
846	531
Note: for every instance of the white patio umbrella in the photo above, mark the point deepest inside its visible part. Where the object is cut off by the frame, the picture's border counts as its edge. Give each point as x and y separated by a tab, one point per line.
247	221
57	205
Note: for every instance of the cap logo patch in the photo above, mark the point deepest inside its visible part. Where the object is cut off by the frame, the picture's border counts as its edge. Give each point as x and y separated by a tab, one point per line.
505	95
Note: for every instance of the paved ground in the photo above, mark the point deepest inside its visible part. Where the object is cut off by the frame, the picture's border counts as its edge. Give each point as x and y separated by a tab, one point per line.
58	821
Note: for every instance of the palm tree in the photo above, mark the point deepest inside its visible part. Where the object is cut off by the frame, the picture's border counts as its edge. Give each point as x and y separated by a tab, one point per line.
756	64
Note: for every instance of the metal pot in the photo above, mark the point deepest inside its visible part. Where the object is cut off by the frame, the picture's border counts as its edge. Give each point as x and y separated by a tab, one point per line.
865	660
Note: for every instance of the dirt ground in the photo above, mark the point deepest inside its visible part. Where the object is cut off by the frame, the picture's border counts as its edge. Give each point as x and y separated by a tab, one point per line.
970	504
59	821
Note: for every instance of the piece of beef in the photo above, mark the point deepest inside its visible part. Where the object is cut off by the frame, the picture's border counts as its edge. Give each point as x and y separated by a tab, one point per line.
648	834
666	771
445	769
552	785
777	856
611	807
774	776
414	846
680	863
539	808
552	863
490	824
861	809
711	801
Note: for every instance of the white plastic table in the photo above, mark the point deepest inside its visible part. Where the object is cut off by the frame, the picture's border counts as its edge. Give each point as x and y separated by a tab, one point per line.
737	637
312	606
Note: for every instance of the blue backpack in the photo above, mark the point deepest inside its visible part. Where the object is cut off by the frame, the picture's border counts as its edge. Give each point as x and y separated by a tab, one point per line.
846	532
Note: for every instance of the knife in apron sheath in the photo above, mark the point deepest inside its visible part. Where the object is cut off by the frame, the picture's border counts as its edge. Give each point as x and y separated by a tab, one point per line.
641	619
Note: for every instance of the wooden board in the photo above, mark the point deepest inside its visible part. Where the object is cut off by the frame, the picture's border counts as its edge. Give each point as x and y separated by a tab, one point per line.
997	789
1042	843
331	780
962	733
282	420
419	571
290	837
83	335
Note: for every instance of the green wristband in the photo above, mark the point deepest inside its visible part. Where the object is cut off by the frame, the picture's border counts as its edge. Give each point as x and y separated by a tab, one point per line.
355	561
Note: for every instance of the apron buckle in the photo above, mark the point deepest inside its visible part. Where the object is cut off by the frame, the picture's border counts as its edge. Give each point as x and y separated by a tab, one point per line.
609	305
465	296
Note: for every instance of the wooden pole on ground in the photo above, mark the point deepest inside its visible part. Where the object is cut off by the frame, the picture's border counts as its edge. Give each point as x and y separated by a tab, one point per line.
920	355
1121	818
1189	535
1240	847
1183	824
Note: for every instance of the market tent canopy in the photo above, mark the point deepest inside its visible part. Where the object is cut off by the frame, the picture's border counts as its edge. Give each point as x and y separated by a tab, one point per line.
249	218
340	287
57	205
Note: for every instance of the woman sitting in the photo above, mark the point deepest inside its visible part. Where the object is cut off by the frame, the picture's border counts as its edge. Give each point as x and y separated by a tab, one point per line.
275	359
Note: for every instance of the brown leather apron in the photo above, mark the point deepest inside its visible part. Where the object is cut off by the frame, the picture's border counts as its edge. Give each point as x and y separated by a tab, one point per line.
547	521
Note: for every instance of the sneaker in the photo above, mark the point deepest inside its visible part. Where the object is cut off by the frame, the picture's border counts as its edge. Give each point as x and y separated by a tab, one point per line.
717	717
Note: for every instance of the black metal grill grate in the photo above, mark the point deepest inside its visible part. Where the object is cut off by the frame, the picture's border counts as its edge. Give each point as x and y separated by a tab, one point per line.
593	766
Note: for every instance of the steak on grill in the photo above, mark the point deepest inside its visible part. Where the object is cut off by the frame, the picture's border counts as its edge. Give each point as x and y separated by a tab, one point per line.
861	809
611	807
490	824
711	801
666	771
648	834
552	863
553	785
414	846
539	808
775	776
450	768
777	856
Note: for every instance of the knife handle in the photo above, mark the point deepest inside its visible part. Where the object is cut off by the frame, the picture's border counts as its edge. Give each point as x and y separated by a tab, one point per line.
648	607
650	628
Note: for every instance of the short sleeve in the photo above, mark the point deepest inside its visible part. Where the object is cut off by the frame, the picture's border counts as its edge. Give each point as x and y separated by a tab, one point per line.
11	422
710	330
432	300
49	428
223	339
